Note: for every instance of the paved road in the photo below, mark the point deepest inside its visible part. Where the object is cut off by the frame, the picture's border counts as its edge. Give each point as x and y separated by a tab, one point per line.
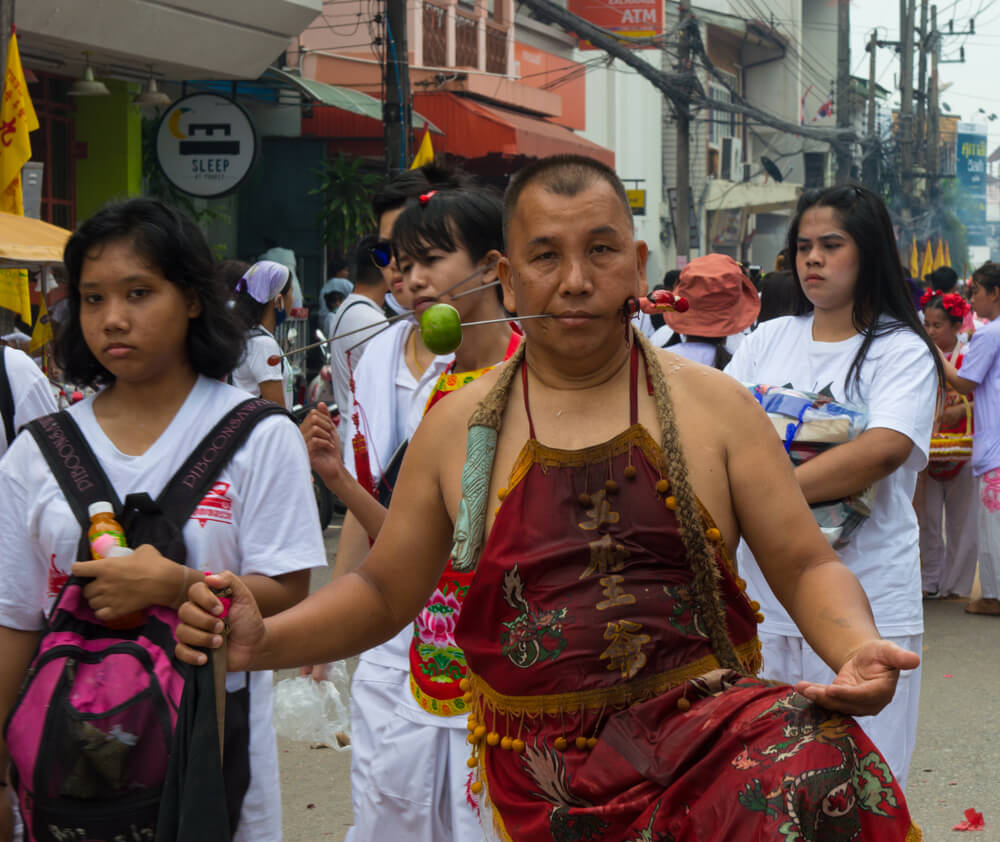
954	766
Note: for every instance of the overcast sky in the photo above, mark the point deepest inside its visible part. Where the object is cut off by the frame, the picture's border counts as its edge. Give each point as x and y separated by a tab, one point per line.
973	84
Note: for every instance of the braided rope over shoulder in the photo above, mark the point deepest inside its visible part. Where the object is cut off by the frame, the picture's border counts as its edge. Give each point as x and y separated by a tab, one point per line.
700	553
489	412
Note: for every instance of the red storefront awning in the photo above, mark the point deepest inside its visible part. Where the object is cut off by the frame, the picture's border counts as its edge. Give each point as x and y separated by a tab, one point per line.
473	129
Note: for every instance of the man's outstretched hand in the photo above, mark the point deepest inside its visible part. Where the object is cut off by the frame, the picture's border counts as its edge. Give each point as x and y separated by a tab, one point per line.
201	627
866	682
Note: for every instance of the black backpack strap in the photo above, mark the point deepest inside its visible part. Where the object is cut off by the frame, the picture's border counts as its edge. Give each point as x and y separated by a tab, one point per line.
74	465
195	477
6	398
340	318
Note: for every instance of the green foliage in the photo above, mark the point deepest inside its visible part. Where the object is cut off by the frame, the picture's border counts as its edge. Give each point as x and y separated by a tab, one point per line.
945	218
346	189
934	214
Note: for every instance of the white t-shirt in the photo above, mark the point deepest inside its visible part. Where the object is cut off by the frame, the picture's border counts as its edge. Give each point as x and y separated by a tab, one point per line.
981	366
254	370
260	517
699	352
898	386
354	314
28	387
392	403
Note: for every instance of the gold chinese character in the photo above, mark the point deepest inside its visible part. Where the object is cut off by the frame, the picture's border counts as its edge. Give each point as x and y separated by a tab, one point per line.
613	591
605	557
625	652
600	513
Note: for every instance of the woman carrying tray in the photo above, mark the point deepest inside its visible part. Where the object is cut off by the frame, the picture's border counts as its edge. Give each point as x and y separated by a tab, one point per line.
948	553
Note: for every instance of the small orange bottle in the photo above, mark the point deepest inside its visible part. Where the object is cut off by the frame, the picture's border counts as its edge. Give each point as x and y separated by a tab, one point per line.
103	523
107	539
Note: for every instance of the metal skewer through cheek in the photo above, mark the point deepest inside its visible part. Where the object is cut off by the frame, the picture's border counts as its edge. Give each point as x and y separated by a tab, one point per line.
276	358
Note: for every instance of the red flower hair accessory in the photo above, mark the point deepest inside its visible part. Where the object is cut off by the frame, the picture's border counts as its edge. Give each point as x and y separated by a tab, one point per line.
426	197
928	296
954	305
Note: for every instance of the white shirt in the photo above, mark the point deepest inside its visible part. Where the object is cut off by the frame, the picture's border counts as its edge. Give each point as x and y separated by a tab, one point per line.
260	517
392	403
254	369
356	313
29	388
898	386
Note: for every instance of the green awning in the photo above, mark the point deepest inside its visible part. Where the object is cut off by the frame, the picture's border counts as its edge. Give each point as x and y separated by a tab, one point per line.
347	99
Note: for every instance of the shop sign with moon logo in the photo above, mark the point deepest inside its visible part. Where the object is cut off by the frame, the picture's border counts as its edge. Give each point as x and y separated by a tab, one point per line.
205	145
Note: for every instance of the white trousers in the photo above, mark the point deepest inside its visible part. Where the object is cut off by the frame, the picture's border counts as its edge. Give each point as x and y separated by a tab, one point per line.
988	505
948	551
894	730
409	781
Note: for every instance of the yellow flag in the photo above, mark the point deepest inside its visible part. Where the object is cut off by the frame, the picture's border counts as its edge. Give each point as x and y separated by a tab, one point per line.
928	265
425	154
947	254
17	120
43	329
939	255
914	259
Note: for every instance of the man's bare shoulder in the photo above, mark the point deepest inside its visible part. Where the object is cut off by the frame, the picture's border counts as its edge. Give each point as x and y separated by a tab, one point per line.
708	387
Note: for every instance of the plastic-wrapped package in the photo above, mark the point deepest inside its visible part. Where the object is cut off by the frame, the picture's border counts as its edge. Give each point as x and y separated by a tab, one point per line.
809	424
314	711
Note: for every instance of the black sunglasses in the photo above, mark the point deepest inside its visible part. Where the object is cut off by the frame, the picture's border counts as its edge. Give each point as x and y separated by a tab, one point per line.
381	253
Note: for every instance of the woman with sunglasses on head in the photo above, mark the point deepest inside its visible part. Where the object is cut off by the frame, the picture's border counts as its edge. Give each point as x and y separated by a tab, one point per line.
861	342
391	386
447	245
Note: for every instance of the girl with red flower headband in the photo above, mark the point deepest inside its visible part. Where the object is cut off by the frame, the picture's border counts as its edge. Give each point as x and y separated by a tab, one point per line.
981	372
948	556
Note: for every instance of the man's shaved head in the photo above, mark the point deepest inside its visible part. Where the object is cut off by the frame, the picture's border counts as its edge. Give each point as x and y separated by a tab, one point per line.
563	175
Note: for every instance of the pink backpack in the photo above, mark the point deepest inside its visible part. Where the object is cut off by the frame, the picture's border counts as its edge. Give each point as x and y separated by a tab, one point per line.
95	745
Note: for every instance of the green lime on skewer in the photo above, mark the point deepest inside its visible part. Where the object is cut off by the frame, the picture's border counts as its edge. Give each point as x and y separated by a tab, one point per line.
441	328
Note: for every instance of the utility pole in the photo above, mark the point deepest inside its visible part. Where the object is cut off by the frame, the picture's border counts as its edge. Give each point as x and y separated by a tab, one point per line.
933	132
905	124
872	47
396	110
6	27
869	166
921	131
682	226
843	151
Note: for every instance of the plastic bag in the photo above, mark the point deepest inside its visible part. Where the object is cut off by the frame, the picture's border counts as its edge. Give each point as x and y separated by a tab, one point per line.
313	711
809	424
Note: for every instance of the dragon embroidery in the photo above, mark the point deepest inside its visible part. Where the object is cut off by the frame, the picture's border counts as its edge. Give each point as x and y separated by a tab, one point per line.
532	636
819	803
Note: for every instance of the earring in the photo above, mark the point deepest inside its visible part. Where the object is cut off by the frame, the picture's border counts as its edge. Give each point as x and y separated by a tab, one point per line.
629	309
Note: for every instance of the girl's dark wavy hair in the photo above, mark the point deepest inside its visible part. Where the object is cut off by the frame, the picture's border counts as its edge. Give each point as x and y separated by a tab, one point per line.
987	276
450	220
882	300
169	241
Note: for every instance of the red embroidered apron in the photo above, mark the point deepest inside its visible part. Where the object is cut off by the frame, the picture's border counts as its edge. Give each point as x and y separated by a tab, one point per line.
437	664
598	708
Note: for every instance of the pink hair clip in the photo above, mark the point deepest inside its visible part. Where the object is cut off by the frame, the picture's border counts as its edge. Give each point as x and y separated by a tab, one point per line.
426	197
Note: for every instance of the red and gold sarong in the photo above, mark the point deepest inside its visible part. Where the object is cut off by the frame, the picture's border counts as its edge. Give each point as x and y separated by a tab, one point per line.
600	710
